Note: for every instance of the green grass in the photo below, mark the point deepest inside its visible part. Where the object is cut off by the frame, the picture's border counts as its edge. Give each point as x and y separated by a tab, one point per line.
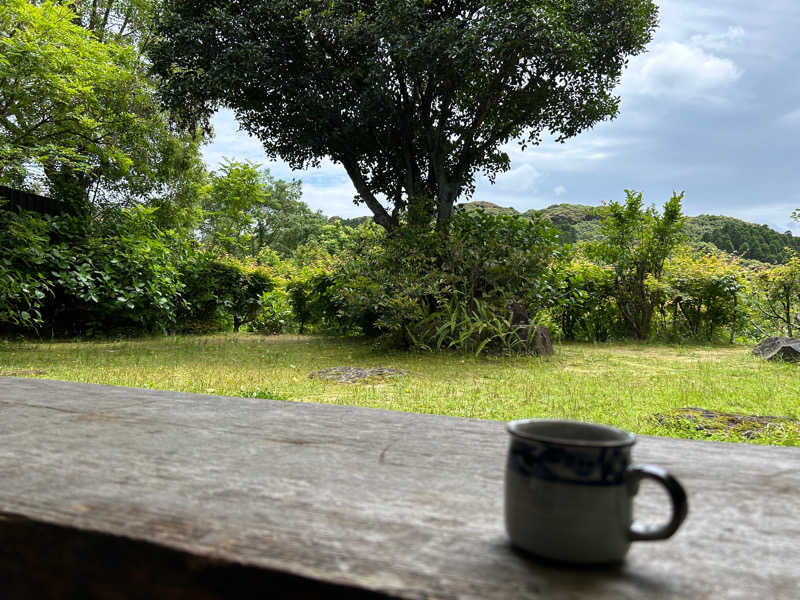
640	387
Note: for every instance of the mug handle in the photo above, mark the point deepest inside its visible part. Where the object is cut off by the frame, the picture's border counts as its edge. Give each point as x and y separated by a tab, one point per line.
680	505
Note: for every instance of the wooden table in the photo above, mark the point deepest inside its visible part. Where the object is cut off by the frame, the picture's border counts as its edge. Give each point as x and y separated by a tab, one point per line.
112	492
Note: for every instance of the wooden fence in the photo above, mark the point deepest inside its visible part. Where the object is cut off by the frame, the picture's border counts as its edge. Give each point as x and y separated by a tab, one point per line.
26	201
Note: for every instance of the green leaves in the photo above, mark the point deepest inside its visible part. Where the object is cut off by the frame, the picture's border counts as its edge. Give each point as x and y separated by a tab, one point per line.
637	243
701	289
434	289
245	209
78	109
777	295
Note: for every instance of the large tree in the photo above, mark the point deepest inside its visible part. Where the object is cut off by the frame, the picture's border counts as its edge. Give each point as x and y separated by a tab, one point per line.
412	97
77	104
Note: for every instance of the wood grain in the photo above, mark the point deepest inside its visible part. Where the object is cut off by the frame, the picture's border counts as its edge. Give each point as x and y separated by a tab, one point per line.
204	493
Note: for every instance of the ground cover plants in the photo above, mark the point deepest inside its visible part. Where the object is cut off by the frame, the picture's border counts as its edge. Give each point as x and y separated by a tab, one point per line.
650	389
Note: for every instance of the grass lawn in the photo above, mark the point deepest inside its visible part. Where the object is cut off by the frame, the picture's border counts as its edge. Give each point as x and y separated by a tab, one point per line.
641	387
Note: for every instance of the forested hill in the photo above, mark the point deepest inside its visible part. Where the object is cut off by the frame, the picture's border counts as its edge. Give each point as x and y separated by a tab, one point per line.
758	242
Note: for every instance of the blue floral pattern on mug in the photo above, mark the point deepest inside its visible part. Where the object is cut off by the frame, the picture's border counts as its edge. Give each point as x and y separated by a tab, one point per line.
572	464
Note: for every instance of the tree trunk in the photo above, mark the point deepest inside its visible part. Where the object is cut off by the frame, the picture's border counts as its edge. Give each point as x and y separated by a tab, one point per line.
788	316
444	207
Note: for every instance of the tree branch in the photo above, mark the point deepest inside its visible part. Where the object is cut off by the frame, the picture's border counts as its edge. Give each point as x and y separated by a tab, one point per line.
381	216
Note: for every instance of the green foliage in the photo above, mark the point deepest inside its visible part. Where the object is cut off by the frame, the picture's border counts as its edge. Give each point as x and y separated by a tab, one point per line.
24	256
583	307
412	98
756	242
234	194
137	278
275	315
575	222
474	326
637	243
580	223
224	286
702	291
488	207
498	257
121	273
452	289
245	209
78	110
777	295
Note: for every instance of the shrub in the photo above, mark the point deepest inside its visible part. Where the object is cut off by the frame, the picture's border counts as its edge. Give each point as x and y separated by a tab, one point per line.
275	315
776	295
701	292
138	274
638	242
25	259
225	287
115	273
584	307
407	287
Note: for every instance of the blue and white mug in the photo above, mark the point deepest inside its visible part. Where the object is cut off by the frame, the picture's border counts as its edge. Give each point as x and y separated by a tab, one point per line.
569	491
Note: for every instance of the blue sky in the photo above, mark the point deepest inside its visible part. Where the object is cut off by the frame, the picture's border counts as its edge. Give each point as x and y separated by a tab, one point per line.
712	108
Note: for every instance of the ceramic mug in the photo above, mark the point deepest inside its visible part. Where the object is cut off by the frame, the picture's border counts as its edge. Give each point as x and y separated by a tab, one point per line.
569	491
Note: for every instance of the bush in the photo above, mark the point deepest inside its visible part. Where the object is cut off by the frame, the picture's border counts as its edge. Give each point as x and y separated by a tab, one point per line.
217	288
26	257
776	296
407	288
75	277
638	242
275	315
584	307
700	291
471	325
116	273
138	275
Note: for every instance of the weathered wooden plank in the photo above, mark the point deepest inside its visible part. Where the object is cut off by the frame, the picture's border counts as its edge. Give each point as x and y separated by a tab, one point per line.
393	503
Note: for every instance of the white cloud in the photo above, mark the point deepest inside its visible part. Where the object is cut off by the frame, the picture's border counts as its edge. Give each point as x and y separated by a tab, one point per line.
559	190
582	153
679	71
333	200
718	41
521	179
792	117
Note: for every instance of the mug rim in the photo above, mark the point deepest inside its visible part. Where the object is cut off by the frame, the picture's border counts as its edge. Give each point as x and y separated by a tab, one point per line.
626	437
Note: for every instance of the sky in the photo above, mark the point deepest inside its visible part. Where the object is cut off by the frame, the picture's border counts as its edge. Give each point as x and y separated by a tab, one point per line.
711	108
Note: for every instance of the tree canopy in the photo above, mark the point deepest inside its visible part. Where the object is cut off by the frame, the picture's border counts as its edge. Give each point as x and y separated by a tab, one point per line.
77	106
412	97
246	209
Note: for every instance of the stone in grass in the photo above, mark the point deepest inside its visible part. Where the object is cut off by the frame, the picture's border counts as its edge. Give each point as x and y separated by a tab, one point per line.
354	374
779	348
542	343
710	422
